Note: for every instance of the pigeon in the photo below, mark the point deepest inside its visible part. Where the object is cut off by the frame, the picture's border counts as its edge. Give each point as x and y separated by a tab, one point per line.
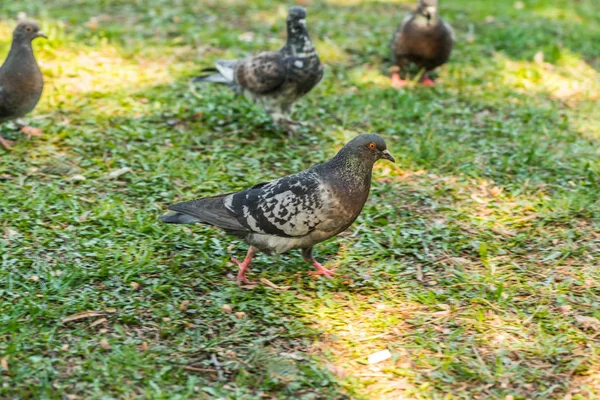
422	39
21	81
274	79
294	212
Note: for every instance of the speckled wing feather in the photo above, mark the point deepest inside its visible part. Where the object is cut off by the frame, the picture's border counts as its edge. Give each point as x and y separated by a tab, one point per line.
262	73
292	206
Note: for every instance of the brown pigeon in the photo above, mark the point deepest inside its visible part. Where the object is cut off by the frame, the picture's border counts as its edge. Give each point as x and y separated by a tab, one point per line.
294	212
422	39
21	81
275	79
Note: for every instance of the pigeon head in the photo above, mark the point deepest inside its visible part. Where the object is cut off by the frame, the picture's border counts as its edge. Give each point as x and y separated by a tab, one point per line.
27	30
427	8
364	150
298	40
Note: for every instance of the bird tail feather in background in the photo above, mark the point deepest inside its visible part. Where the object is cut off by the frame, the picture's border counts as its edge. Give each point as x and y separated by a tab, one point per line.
222	74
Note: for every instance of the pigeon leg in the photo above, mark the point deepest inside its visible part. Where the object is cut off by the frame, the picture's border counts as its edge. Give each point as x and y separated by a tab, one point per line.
30	131
426	81
321	270
5	143
244	267
398	82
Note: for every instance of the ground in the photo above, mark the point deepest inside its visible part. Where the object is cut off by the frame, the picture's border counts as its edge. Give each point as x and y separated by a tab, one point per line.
475	261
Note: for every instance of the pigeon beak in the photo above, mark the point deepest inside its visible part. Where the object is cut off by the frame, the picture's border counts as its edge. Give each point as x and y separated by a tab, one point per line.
41	34
388	156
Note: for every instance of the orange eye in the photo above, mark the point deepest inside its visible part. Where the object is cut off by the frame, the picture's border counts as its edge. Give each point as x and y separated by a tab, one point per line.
372	146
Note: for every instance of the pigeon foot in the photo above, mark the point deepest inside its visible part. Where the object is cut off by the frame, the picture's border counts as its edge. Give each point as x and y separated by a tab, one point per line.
321	270
241	277
426	81
5	143
30	131
398	82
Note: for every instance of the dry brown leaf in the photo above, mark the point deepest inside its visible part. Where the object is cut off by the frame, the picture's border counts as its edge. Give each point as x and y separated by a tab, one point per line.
240	315
4	363
135	285
588	322
64	347
226	308
143	346
104	344
82	315
98	322
31	131
184	305
271	285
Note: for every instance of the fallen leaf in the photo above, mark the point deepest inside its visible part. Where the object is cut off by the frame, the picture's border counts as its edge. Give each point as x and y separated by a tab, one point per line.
226	308
98	322
135	285
271	285
4	363
184	305
64	347
77	178
240	315
588	322
104	344
143	346
82	315
379	356
118	172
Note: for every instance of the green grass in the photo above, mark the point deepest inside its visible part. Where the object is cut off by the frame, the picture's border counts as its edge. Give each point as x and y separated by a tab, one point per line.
475	262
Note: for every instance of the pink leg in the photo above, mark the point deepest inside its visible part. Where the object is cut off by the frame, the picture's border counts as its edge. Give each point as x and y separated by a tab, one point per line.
321	270
398	82
5	143
426	81
241	277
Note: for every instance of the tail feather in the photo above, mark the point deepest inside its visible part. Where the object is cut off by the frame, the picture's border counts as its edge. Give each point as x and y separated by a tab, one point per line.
223	73
210	210
178	218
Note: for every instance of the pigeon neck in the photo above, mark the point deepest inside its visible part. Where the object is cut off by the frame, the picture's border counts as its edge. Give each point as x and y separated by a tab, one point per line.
20	50
298	42
351	171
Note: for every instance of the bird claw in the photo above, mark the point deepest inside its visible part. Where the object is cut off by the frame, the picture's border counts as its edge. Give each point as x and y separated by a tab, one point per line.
30	131
398	82
321	270
241	277
7	144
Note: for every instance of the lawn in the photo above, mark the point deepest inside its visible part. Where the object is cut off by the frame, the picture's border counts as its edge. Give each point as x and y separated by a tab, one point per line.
476	261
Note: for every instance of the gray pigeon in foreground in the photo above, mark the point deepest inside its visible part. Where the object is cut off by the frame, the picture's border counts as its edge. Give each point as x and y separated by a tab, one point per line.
296	211
422	39
21	81
275	79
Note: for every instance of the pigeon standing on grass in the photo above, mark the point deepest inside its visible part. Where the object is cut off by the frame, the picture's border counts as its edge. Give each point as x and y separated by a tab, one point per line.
21	81
296	211
274	79
422	39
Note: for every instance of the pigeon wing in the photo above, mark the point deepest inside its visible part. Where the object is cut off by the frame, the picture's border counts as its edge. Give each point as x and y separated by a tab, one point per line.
262	73
292	206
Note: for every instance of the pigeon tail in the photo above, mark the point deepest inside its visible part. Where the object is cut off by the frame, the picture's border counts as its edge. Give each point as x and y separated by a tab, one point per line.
178	218
210	210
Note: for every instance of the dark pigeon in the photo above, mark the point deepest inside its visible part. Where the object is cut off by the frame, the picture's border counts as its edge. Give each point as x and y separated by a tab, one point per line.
21	81
296	211
275	79
422	39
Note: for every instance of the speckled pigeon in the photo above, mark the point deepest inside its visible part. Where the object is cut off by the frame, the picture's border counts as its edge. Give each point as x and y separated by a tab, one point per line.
275	79
296	211
422	39
21	81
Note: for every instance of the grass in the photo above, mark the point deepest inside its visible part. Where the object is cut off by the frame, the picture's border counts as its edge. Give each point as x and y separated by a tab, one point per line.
475	262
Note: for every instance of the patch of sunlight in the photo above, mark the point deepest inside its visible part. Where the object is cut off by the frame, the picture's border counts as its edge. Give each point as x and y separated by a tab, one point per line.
563	14
571	78
355	327
363	76
330	52
360	2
